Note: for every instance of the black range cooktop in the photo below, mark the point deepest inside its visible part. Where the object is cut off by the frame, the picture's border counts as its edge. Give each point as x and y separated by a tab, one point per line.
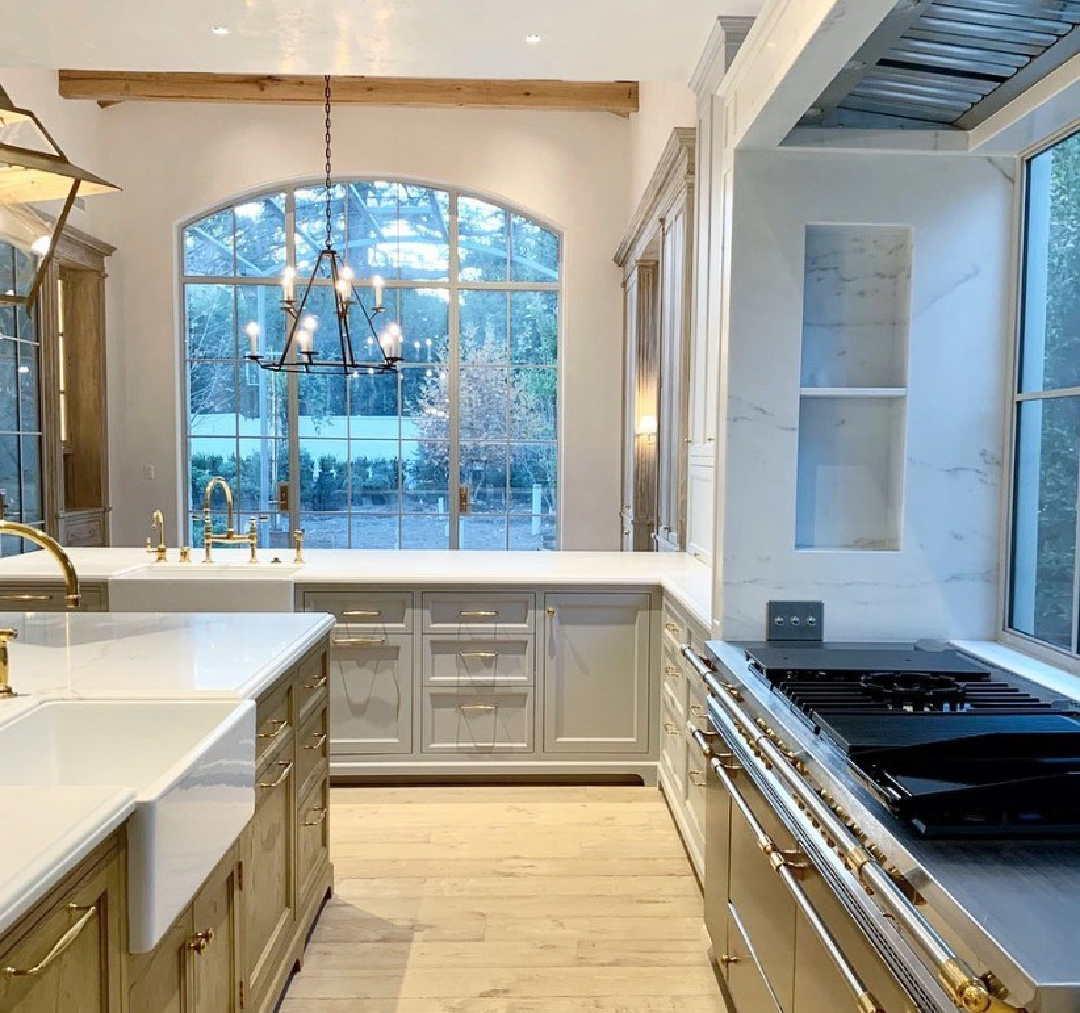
955	747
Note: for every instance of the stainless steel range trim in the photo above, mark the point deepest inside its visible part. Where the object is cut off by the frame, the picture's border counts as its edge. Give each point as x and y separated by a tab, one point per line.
812	809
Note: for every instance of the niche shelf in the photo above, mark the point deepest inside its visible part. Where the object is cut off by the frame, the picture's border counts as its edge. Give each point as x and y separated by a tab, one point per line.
853	394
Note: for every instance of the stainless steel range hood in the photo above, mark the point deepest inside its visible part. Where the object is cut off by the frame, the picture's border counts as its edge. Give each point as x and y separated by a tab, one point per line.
940	64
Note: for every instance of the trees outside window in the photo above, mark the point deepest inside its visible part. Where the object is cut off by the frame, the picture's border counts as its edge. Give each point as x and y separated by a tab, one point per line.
1043	601
379	461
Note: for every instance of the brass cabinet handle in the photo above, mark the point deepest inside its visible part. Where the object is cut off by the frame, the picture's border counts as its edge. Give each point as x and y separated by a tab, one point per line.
551	612
696	777
25	597
281	725
478	614
317	683
726	960
58	949
672	672
486	655
286	770
670	727
200	941
359	642
672	628
318	742
362	614
465	707
697	711
320	812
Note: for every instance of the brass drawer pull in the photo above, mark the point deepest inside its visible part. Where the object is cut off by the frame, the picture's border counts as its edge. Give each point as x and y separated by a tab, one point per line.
320	812
318	742
200	941
280	727
317	683
672	628
26	597
59	947
362	614
672	672
466	707
479	614
360	642
696	778
484	655
697	711
286	770
671	728
726	960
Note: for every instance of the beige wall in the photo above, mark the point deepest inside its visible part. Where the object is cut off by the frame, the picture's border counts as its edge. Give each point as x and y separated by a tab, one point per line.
175	160
665	105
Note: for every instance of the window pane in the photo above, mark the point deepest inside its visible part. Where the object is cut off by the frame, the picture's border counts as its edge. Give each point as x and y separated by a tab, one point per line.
1050	351
483	533
483	403
9	476
211	458
425	321
1044	537
324	475
264	402
260	305
264	464
373	531
9	416
208	246
483	327
25	267
29	385
534	251
425	532
31	479
212	399
532	534
422	231
7	269
425	409
311	228
533	478
482	245
425	477
7	314
210	322
325	531
373	406
375	476
323	408
260	237
534	328
483	473
534	395
372	209
319	307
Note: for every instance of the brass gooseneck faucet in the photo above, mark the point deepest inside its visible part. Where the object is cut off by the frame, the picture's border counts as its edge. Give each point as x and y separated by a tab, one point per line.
157	527
230	537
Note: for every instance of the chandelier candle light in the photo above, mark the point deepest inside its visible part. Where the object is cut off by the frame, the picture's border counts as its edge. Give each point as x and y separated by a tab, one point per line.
299	354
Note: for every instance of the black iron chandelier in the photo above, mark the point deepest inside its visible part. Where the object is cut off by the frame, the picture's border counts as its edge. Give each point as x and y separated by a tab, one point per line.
299	354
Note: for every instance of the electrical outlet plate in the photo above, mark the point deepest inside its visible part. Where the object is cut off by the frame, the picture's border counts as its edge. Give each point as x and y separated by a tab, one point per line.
795	620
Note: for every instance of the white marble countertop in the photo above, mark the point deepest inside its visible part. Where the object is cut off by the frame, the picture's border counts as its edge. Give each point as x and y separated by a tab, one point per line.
687	579
45	833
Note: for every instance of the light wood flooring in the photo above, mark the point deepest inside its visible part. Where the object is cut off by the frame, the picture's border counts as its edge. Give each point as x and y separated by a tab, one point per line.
507	900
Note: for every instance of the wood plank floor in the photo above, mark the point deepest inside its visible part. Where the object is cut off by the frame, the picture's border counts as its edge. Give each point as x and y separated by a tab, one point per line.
507	900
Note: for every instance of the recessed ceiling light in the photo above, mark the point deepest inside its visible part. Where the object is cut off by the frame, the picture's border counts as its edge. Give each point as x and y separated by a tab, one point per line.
220	30
532	39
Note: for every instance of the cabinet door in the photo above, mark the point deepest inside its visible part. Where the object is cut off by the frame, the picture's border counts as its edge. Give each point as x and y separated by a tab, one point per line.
596	673
746	988
269	894
84	975
163	978
215	951
371	681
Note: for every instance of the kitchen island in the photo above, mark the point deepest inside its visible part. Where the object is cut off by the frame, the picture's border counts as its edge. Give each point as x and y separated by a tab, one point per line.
163	781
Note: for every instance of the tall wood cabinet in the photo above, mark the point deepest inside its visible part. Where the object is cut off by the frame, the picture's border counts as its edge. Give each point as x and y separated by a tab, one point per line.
656	256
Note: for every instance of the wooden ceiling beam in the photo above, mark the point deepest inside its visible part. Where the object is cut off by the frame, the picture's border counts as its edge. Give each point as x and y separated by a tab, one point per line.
109	88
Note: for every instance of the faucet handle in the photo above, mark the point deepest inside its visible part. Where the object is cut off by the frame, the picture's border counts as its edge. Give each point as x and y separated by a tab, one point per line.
6	636
298	539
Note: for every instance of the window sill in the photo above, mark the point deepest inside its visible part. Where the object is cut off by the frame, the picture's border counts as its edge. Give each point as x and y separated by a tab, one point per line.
1053	677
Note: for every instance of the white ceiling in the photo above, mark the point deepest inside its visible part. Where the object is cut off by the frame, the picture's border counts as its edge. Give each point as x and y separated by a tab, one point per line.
648	40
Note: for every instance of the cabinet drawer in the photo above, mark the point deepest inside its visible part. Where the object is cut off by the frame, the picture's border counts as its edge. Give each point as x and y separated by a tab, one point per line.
510	612
311	681
381	611
312	839
371	694
312	749
452	661
673	750
273	723
478	721
747	989
49	598
674	626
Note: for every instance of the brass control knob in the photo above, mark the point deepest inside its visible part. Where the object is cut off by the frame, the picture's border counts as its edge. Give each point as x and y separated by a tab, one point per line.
201	940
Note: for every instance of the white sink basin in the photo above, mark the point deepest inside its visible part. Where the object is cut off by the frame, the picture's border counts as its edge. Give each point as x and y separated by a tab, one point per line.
191	763
204	587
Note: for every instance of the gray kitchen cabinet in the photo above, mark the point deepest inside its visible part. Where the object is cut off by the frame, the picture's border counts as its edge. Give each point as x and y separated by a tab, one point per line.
371	692
597	665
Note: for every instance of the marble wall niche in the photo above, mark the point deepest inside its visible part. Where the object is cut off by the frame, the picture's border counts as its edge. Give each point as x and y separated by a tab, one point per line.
856	305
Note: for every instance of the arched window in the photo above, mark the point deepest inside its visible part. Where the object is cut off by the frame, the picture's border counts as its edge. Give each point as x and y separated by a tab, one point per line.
459	450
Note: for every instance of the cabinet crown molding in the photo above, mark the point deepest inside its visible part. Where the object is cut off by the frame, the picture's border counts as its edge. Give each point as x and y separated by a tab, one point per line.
727	36
674	172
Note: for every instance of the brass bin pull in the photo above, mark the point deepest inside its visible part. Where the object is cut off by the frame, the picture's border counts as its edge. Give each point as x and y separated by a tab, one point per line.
318	742
25	597
670	727
362	614
281	725
484	655
360	642
672	628
320	816
696	778
479	614
317	683
58	949
200	941
672	672
466	707
286	770
697	711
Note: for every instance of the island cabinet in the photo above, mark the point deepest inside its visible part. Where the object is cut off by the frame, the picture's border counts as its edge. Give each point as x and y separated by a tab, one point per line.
490	680
65	955
234	947
27	596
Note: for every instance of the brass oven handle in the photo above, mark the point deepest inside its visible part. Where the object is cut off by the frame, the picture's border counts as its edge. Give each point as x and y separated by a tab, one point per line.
775	765
25	597
317	683
286	770
318	742
479	614
359	641
724	760
485	655
281	727
320	812
362	614
58	948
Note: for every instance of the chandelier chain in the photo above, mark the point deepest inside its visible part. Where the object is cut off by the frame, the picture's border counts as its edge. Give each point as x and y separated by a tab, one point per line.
329	210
